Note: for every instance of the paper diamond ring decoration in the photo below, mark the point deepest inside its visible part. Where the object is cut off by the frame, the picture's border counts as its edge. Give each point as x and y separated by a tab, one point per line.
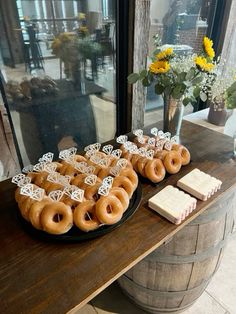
17	178
81	166
68	190
154	131
48	157
115	170
161	134
150	154
167	135
90	153
122	139
28	168
38	194
64	180
142	151
27	189
53	177
89	170
91	180
72	151
78	195
104	162
39	167
174	139
138	132
152	141
107	149
50	167
168	145
104	190
122	163
107	181
56	195
24	181
141	139
64	154
95	159
116	153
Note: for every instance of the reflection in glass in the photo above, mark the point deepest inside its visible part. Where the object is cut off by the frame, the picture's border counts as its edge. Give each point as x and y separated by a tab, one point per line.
63	88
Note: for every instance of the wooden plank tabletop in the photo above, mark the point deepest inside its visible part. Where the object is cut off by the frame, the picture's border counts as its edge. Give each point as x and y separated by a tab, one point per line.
39	277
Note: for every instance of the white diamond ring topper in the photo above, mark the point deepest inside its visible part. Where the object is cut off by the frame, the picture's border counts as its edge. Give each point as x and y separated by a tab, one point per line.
38	194
91	179
64	180
24	181
167	135
104	190
89	170
142	151
27	190
72	151
154	131
115	171
17	178
174	139
150	154
151	141
53	177
168	145
122	163
48	157
138	132
133	149
104	162
128	144
107	181
95	159
28	169
78	195
68	190
39	167
56	195
81	166
161	134
50	167
64	154
160	144
90	153
107	149
116	153
122	139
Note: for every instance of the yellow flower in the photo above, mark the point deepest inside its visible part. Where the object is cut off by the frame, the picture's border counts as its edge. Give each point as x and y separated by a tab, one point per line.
66	36
164	54
159	67
82	16
207	45
202	63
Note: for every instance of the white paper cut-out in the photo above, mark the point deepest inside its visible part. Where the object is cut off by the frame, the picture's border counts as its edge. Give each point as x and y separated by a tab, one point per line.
68	190
56	195
28	168
138	132
91	179
78	195
104	190
50	167
142	151
48	157
174	139
24	181
27	189
168	145
151	141
167	135
141	139
17	178
122	163
122	139
107	181
154	131
161	134
115	171
38	194
107	149
116	153
150	154
39	167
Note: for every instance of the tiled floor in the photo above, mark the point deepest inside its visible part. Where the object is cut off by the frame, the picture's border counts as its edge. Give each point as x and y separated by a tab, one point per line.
219	297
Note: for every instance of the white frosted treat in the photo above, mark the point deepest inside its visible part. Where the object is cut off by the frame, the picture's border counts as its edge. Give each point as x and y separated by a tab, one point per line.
199	184
173	204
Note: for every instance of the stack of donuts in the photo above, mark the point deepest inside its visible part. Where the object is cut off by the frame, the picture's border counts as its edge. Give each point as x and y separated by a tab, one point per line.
59	209
152	157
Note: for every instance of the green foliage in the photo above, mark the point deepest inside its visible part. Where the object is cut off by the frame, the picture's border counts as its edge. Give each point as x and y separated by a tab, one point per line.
133	78
230	96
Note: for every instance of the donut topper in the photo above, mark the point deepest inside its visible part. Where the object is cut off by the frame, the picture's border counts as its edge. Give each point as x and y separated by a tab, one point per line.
174	139
122	163
168	145
28	168
81	166
141	139
21	180
105	186
142	151
167	135
55	177
160	144
138	132
38	194
68	154
56	195
68	190
151	141
39	167
116	153
154	131
50	167
107	149
93	147
27	189
150	154
104	162
95	159
115	170
78	195
91	179
48	157
122	139
89	170
161	134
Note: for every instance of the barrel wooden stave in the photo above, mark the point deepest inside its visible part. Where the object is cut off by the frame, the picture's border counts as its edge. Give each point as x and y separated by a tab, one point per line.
172	278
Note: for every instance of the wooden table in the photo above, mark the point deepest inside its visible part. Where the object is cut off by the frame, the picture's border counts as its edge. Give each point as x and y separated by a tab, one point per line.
38	277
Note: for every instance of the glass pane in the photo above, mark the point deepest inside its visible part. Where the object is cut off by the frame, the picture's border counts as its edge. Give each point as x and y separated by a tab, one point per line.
60	79
180	24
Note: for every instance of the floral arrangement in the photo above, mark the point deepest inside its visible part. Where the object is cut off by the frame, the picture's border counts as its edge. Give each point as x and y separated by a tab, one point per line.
181	77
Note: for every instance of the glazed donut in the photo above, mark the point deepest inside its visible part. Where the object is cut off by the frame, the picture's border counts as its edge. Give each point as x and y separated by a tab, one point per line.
131	175
84	216
122	196
155	170
38	177
125	183
184	153
51	186
67	169
19	197
67	200
79	158
141	163
35	212
172	162
109	209
145	144
134	161
56	218
24	206
79	179
127	155
160	154
91	191
104	172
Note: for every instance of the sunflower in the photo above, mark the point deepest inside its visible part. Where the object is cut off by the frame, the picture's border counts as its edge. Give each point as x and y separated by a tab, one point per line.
165	54
202	63
207	45
159	67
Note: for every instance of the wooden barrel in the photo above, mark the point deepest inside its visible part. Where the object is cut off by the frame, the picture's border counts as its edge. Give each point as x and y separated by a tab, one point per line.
172	278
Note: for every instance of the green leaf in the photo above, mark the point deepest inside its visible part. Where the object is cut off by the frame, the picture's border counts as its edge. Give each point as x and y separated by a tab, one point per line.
181	77
146	82
197	80
203	96
196	91
186	101
143	74
159	89
231	89
150	77
178	91
190	74
133	78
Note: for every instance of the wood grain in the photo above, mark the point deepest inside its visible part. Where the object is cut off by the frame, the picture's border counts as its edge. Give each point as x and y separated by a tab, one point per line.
39	277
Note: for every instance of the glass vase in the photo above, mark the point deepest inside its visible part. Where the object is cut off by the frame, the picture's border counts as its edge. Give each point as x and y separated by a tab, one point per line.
173	115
